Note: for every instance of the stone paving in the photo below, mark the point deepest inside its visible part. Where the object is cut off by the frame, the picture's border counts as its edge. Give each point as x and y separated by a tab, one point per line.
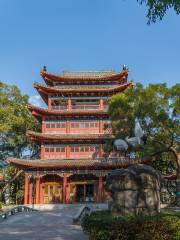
42	225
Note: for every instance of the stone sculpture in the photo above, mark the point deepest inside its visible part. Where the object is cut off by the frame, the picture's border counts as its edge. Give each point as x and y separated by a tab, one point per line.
134	191
137	140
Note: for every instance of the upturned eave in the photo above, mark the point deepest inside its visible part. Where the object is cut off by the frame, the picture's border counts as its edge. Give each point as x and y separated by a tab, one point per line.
68	137
39	112
73	164
55	79
44	90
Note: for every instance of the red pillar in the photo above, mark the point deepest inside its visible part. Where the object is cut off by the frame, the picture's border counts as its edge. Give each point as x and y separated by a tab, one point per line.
101	126
37	187
67	193
42	151
101	150
68	126
41	201
26	189
64	187
30	191
69	104
100	186
101	104
68	152
49	102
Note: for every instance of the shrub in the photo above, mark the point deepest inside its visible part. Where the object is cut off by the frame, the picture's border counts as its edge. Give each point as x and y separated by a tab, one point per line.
102	225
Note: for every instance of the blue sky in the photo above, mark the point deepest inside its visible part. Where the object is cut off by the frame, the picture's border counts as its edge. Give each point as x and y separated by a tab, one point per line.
85	35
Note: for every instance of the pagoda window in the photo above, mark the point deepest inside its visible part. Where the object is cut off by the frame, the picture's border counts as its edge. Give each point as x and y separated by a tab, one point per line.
82	149
53	125
46	149
63	149
92	149
56	125
72	149
51	149
76	149
82	125
58	149
60	125
86	149
74	125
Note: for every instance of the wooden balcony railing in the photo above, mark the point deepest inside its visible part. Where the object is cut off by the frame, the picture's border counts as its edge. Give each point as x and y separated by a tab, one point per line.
85	107
58	108
78	107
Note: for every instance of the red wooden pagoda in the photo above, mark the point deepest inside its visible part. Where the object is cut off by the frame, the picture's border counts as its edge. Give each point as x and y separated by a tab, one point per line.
72	168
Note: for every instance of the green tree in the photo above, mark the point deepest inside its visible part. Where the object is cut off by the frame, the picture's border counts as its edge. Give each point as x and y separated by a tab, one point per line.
158	109
158	8
15	120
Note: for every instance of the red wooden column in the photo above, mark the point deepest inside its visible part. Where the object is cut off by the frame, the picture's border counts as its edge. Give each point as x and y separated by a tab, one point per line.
26	189
101	104
37	187
67	193
42	151
100	186
101	126
64	187
67	126
41	201
69	104
68	151
49	102
101	151
43	128
30	191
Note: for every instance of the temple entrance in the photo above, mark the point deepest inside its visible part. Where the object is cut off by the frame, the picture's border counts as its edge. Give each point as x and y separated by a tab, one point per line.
52	190
52	193
84	193
83	188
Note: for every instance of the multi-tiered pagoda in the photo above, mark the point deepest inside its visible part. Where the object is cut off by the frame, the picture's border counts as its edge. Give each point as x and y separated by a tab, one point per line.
75	127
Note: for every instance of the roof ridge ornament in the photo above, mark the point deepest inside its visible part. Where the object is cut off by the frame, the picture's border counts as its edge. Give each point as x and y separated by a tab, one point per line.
44	68
125	68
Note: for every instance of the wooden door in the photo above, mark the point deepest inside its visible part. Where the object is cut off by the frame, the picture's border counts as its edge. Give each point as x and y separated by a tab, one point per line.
52	193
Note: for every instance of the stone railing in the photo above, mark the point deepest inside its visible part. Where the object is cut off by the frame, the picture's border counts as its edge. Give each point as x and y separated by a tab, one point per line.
83	211
14	211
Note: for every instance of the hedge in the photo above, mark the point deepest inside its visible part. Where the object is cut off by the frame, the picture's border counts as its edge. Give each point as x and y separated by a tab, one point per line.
102	225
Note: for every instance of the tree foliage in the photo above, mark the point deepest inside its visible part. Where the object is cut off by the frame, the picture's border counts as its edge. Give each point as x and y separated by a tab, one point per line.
158	8
15	120
158	109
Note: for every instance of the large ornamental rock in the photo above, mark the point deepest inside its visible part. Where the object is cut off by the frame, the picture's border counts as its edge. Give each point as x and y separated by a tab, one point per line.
134	191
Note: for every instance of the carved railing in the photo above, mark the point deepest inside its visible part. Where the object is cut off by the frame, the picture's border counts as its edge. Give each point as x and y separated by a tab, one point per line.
14	211
78	107
58	108
83	211
85	107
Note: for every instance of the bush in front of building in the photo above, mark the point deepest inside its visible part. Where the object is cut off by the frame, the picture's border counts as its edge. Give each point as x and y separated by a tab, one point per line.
102	225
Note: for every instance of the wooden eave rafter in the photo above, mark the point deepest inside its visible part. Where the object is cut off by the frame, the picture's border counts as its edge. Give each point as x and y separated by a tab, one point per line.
54	79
